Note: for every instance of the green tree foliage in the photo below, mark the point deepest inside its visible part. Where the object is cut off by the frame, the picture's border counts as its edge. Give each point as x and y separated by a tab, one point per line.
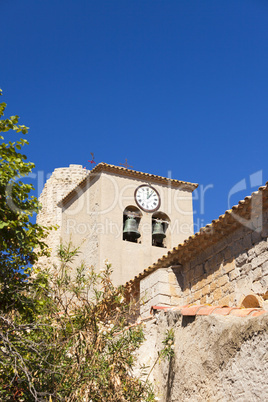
63	337
80	346
19	238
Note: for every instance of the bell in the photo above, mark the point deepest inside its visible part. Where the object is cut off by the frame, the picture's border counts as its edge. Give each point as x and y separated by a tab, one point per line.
130	231
158	232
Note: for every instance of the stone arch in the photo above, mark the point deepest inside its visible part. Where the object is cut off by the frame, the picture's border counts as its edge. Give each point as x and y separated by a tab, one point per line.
164	219
133	212
251	301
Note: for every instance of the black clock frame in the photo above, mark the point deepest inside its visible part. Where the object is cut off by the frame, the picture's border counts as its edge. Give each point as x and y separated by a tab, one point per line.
144	209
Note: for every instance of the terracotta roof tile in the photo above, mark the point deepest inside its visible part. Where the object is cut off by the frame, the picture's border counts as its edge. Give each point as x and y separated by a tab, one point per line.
243	312
224	310
207	310
209	234
105	167
192	310
256	313
203	310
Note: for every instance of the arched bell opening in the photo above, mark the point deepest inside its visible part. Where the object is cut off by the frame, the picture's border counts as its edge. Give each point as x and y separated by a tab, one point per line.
131	220
160	232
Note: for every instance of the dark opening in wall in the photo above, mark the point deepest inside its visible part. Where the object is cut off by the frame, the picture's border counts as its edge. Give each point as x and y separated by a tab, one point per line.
131	220
160	223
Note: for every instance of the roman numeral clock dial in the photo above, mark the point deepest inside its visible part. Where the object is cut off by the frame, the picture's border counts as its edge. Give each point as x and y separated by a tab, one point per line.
147	198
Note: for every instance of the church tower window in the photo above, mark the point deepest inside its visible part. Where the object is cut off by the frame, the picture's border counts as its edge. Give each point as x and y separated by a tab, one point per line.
131	220
160	232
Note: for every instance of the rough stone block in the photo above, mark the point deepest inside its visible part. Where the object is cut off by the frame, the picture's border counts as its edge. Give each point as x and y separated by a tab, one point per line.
228	266
257	261
215	261
228	253
146	296
205	290
264	232
203	300
257	287
261	247
209	298
245	269
162	299
161	288
186	291
145	310
217	272
227	300
197	295
195	286
247	241
237	248
189	276
175	291
158	300
241	260
217	294
213	286
186	266
222	280
257	274
264	283
188	300
219	258
160	275
227	288
237	235
176	301
243	284
256	236
202	282
251	254
198	271
265	268
172	278
209	267
209	278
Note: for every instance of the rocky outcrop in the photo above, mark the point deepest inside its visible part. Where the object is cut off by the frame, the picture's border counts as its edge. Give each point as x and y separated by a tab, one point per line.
217	358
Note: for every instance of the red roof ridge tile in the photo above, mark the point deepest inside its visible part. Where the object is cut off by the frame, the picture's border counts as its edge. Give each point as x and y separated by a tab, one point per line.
204	310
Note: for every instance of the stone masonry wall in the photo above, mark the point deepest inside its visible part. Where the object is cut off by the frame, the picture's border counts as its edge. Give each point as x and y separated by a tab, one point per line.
223	274
59	184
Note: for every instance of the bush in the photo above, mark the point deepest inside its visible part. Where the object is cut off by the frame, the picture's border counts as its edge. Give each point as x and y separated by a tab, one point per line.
78	347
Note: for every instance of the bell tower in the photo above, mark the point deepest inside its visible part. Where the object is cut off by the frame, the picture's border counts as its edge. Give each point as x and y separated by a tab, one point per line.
127	217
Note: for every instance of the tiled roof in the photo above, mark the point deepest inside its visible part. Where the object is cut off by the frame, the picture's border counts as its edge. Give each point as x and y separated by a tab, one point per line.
203	309
119	170
210	234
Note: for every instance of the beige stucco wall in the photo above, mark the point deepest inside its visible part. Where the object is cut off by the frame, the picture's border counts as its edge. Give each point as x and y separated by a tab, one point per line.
80	223
94	221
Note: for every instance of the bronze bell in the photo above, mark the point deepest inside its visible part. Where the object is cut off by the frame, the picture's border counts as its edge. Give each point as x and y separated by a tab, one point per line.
158	232
130	231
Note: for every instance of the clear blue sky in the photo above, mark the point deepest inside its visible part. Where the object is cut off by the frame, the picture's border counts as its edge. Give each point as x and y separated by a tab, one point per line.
172	85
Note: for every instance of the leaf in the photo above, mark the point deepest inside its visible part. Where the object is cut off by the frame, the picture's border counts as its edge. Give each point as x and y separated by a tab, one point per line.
3	224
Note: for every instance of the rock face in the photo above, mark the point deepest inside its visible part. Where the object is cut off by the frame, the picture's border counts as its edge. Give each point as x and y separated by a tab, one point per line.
216	358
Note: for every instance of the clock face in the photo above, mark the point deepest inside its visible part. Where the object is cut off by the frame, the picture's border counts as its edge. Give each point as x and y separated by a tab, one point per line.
147	198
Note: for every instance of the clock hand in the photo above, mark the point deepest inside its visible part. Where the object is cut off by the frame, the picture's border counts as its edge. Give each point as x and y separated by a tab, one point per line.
150	195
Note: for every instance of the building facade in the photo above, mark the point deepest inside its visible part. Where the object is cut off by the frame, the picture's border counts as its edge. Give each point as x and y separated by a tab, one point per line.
126	217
